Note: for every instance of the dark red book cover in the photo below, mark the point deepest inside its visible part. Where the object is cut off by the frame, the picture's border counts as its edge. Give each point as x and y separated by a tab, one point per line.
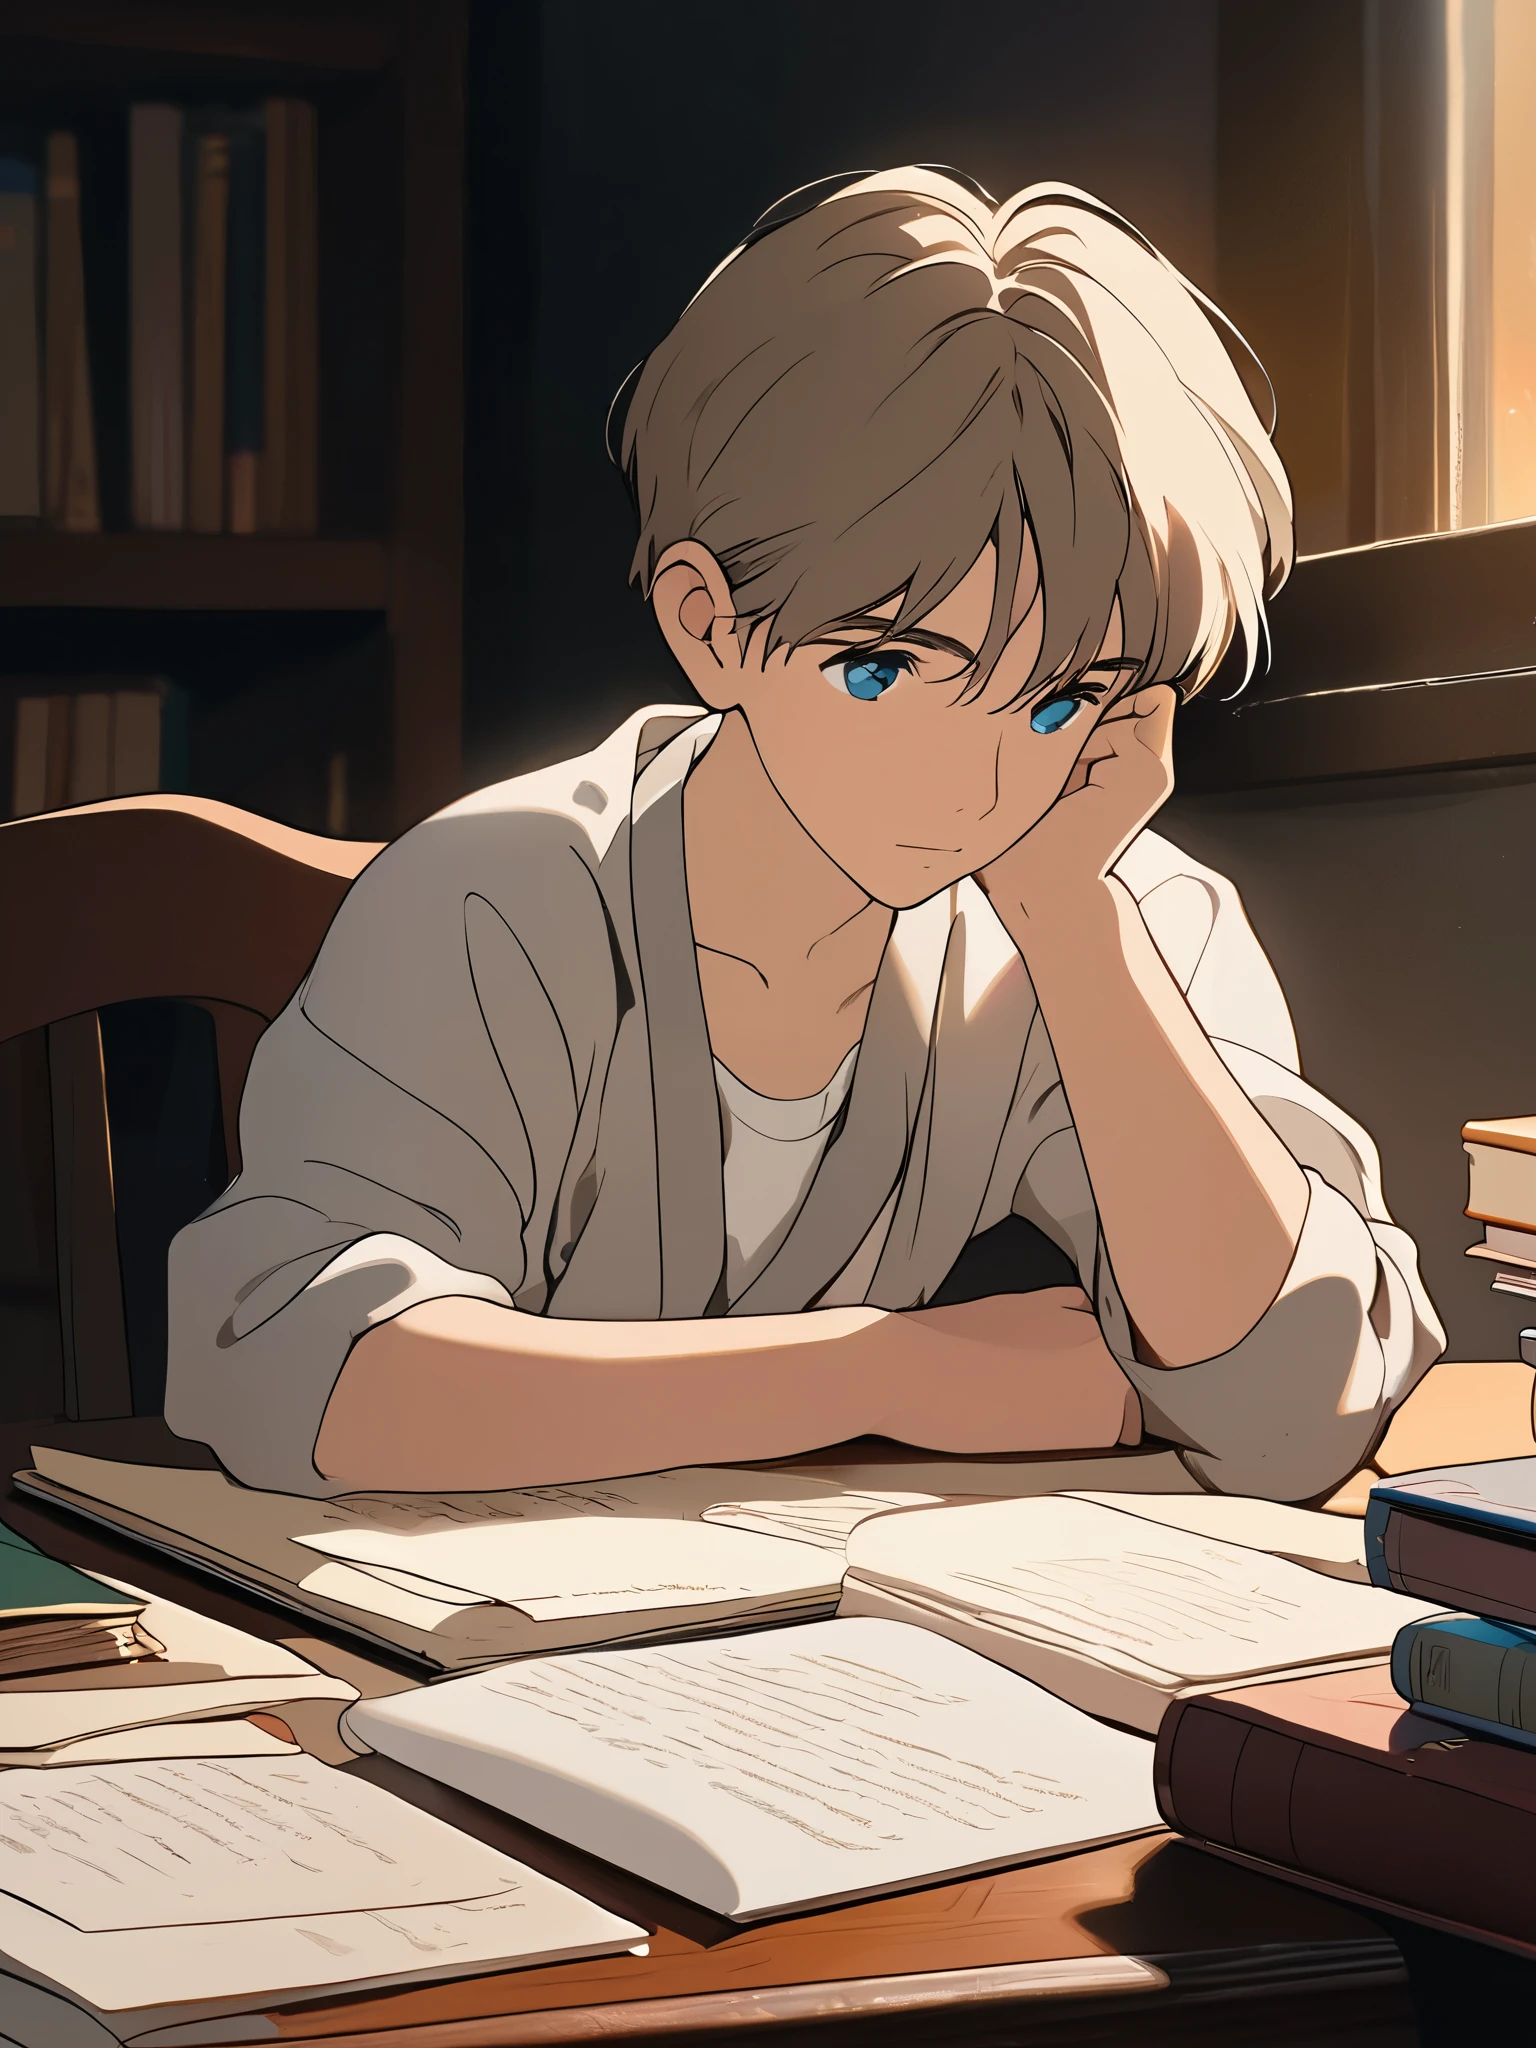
1335	1781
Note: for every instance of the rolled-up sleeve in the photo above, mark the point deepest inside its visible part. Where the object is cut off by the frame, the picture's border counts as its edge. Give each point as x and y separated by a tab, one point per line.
387	1160
1296	1406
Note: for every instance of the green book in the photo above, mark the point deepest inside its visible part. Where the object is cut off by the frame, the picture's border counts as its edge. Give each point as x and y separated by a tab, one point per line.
34	1587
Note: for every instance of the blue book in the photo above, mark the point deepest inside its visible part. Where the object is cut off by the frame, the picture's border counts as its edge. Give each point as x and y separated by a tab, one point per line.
1462	1534
1478	1675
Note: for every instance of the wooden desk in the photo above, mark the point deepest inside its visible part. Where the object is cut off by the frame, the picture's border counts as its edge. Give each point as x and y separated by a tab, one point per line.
1142	1942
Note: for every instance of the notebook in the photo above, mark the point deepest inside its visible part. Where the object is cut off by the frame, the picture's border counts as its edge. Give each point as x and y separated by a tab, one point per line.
779	1770
53	1618
1109	1602
154	1900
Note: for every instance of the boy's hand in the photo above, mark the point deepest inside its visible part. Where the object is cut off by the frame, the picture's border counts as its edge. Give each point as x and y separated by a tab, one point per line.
1123	774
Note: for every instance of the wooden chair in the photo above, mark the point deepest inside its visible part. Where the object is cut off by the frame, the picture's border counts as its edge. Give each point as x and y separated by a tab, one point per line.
151	896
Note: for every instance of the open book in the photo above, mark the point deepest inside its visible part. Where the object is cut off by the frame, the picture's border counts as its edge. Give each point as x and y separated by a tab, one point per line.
779	1770
152	1899
464	1579
1112	1604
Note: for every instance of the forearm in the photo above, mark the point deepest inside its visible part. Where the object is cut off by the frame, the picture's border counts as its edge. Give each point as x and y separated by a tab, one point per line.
460	1394
1200	1202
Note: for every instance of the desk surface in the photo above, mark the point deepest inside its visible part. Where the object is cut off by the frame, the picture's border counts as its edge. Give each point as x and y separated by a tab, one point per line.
1144	1941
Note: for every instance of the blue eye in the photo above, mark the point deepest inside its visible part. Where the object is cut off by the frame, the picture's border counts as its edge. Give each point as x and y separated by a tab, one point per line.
1052	716
867	676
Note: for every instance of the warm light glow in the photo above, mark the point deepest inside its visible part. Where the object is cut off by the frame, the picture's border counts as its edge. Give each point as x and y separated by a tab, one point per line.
1512	492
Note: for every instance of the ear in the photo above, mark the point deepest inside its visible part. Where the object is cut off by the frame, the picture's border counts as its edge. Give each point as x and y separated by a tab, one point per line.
693	605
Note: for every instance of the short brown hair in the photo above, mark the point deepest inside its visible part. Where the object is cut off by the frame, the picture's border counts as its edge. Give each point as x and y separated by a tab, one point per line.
858	399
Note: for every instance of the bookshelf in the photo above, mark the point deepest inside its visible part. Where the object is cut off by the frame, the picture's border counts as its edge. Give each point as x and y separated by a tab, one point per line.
386	78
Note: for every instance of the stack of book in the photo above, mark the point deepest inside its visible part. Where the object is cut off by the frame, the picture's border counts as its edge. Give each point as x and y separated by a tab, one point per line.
1502	1197
223	365
1410	1787
82	741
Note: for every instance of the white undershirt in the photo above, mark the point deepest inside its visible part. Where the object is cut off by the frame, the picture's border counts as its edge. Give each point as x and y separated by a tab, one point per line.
772	1150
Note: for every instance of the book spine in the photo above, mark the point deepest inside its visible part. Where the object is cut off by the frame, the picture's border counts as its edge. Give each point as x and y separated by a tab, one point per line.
90	753
1476	1671
135	742
1477	1569
20	450
244	400
155	316
57	753
71	500
1415	1843
290	465
29	759
210	219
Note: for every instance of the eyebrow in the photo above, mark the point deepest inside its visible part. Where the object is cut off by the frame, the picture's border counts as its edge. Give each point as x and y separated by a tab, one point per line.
914	636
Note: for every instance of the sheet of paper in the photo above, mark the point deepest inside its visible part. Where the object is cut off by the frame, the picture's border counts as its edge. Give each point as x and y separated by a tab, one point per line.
823	1522
1334	1544
229	1737
1165	1606
192	1841
164	1972
583	1566
374	1591
768	1770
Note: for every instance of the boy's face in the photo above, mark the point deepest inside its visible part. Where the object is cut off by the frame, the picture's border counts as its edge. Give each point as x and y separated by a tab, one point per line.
905	788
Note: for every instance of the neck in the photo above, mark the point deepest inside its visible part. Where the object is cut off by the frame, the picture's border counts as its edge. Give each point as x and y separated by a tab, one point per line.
760	889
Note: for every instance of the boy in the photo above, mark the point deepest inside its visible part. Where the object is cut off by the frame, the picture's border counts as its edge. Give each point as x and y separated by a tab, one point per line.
850	1059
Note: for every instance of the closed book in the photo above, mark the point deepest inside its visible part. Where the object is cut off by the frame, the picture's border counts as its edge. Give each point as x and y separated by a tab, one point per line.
1510	1247
245	326
157	391
1475	1674
210	226
1332	1781
55	1619
20	409
71	500
1462	1535
1502	1173
136	716
290	468
29	758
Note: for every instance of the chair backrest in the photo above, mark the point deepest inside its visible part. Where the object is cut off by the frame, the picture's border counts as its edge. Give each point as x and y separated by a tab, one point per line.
144	897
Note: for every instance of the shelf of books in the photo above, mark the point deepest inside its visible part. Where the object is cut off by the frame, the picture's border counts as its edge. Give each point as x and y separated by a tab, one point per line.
229	373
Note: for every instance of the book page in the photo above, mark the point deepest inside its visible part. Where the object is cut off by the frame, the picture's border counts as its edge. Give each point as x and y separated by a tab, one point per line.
261	1528
190	1841
824	1522
228	1737
780	1769
1334	1544
1160	1604
167	1972
584	1566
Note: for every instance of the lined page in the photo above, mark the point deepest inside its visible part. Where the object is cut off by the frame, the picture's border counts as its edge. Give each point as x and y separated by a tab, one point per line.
780	1769
188	1841
581	1566
1158	1603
